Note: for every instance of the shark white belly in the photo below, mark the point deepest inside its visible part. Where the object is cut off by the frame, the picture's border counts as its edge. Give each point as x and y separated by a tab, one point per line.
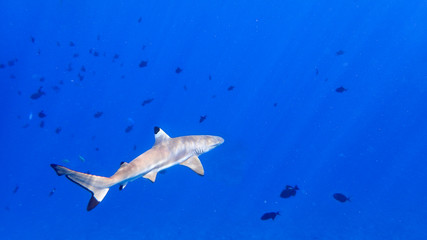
166	152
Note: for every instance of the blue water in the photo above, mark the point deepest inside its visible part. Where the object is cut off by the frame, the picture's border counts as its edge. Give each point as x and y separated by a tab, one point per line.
283	123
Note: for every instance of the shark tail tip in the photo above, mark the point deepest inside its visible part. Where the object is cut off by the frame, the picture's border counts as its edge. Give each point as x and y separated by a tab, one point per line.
92	203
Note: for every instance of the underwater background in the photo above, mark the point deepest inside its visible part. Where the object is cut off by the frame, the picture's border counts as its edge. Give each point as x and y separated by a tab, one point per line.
326	95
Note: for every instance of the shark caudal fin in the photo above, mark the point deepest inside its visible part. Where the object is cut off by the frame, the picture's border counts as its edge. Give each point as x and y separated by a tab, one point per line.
97	185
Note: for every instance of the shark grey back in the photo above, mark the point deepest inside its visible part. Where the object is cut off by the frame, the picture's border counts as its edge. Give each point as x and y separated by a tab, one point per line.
166	152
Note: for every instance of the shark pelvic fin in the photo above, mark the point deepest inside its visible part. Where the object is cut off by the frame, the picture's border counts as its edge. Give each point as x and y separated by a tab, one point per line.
151	175
194	164
159	135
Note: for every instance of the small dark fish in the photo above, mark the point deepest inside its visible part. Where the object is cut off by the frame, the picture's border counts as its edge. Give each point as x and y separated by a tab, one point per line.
147	101
2	65
83	69
275	104
98	37
58	130
11	63
61	82
143	64
97	149
97	114
230	88
16	189
116	56
96	53
72	44
52	192
41	124
56	88
75	55
289	191
340	89
202	118
37	94
41	79
143	47
128	128
134	147
317	71
185	88
19	93
269	215
178	70
33	39
139	19
339	52
210	77
81	77
341	197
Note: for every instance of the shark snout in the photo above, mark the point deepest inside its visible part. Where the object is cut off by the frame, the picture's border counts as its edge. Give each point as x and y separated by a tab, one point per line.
216	141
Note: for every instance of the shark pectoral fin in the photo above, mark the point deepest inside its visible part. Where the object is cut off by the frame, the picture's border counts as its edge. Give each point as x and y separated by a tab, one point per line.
194	164
151	175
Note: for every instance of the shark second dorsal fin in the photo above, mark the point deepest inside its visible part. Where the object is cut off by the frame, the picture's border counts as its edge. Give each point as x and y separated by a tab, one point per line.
159	135
151	175
122	165
194	164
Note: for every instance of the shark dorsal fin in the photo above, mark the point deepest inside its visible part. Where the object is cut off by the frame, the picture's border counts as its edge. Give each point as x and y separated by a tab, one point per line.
151	175
194	164
122	165
159	135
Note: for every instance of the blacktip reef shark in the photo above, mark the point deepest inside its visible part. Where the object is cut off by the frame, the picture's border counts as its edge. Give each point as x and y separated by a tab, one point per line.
166	152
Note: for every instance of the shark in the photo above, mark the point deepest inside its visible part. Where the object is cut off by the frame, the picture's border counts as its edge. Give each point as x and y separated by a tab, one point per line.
165	153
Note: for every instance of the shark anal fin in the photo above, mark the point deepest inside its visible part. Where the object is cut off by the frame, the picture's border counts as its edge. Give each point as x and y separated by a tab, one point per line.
151	175
194	164
122	186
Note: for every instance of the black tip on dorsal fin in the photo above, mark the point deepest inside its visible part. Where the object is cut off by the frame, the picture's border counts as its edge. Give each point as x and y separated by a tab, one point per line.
92	203
122	163
156	130
121	187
